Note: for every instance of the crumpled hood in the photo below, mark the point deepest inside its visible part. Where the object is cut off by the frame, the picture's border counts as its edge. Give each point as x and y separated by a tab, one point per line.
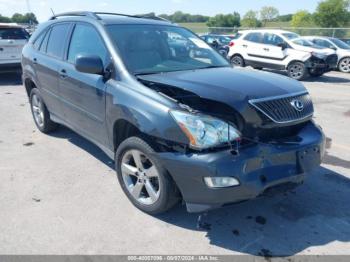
228	85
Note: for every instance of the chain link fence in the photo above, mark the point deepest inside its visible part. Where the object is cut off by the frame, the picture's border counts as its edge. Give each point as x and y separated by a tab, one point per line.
304	31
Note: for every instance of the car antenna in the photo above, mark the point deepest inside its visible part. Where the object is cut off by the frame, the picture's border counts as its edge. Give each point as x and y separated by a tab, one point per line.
53	13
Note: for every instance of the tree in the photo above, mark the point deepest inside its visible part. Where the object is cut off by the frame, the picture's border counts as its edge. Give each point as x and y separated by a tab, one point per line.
28	18
332	13
284	18
220	20
302	18
250	19
268	13
4	19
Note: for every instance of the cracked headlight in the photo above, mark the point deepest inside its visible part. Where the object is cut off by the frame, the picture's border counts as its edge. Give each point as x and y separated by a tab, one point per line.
205	131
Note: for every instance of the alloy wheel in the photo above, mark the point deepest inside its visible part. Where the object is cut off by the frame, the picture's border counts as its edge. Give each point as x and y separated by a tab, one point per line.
344	65
38	110
296	71
237	61
140	177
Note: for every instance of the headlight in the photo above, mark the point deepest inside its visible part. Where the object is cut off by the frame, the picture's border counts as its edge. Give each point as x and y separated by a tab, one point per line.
205	131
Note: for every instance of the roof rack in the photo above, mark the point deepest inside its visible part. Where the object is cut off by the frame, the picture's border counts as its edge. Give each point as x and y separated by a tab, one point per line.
88	14
95	15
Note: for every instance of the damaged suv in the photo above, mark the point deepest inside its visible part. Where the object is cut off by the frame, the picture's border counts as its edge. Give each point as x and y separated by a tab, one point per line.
179	121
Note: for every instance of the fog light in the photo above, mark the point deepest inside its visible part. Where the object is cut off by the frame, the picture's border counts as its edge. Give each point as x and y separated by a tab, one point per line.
214	182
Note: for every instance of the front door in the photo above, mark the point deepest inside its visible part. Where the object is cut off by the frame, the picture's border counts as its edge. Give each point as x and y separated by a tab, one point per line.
83	95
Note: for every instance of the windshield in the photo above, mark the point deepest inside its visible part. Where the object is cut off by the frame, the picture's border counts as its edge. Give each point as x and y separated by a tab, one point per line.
340	43
290	36
302	42
147	49
13	33
224	40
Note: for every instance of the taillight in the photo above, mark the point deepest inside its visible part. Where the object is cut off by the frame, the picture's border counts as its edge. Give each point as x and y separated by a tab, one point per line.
231	44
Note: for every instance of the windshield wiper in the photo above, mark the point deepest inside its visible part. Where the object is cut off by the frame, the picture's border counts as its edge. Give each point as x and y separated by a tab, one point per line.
212	66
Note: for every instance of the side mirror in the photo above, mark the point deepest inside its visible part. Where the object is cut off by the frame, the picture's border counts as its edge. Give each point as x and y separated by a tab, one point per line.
90	64
283	45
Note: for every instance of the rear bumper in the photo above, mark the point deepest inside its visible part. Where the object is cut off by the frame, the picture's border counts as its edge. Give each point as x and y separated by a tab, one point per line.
258	168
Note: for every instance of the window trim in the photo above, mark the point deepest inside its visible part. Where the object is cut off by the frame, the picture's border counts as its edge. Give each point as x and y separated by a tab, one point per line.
66	53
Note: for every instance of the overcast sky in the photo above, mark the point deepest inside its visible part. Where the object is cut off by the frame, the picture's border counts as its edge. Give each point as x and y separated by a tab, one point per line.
207	7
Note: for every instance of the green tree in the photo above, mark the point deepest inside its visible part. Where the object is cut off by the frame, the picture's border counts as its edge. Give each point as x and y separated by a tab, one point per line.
332	13
24	19
250	19
220	20
4	19
284	18
302	18
268	13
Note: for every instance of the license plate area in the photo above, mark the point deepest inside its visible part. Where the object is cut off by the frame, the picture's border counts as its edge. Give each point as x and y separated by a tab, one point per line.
308	158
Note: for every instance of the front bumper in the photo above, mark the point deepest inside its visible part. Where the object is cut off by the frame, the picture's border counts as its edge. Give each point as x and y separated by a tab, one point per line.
325	65
258	167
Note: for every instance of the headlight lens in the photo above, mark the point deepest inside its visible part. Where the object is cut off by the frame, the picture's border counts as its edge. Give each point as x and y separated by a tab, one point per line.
205	131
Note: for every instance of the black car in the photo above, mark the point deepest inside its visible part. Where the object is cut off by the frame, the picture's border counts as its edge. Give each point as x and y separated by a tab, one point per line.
218	42
180	125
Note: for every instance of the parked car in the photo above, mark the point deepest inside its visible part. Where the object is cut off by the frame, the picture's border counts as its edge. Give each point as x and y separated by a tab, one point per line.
275	49
347	41
341	48
218	42
12	39
178	127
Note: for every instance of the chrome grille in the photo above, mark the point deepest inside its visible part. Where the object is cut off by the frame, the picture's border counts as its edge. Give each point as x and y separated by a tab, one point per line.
280	109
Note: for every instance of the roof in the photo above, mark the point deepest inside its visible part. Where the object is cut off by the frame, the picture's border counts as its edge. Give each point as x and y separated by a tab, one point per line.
112	18
276	31
10	25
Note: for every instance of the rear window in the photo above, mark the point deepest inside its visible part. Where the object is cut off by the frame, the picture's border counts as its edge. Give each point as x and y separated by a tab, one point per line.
58	36
254	37
13	33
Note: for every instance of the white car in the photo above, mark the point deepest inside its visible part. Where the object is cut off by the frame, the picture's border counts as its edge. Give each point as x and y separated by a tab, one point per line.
277	49
341	48
12	39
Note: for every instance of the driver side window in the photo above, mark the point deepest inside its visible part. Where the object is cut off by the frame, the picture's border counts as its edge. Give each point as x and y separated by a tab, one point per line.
86	40
272	39
323	43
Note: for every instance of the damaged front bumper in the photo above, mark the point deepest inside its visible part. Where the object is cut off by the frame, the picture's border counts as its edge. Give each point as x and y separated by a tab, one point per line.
257	167
326	64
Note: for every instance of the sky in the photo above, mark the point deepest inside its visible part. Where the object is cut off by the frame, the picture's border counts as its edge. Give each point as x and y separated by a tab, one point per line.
206	7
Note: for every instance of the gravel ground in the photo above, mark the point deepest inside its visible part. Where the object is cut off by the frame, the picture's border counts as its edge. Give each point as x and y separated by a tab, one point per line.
59	195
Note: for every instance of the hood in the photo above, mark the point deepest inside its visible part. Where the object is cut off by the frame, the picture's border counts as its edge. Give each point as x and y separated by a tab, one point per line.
228	85
323	51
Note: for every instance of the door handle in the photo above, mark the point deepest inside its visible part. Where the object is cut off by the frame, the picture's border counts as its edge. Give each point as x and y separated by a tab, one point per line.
245	46
35	61
63	73
266	49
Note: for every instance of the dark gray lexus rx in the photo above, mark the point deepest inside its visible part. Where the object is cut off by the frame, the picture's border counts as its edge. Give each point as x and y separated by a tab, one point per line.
179	121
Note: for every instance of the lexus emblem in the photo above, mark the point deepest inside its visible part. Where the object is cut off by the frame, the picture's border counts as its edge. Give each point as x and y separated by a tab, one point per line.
297	104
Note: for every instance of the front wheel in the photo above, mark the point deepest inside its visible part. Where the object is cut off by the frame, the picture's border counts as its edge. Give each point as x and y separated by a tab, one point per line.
344	65
143	179
297	71
237	60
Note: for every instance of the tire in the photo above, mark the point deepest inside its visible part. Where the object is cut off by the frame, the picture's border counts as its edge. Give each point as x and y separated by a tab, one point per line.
237	60
148	172
344	65
297	70
40	113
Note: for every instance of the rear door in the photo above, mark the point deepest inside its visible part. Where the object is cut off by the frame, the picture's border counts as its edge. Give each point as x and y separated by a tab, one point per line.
251	45
83	95
47	60
12	40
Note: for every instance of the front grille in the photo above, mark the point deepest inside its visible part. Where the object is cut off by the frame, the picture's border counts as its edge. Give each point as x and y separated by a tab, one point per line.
281	110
